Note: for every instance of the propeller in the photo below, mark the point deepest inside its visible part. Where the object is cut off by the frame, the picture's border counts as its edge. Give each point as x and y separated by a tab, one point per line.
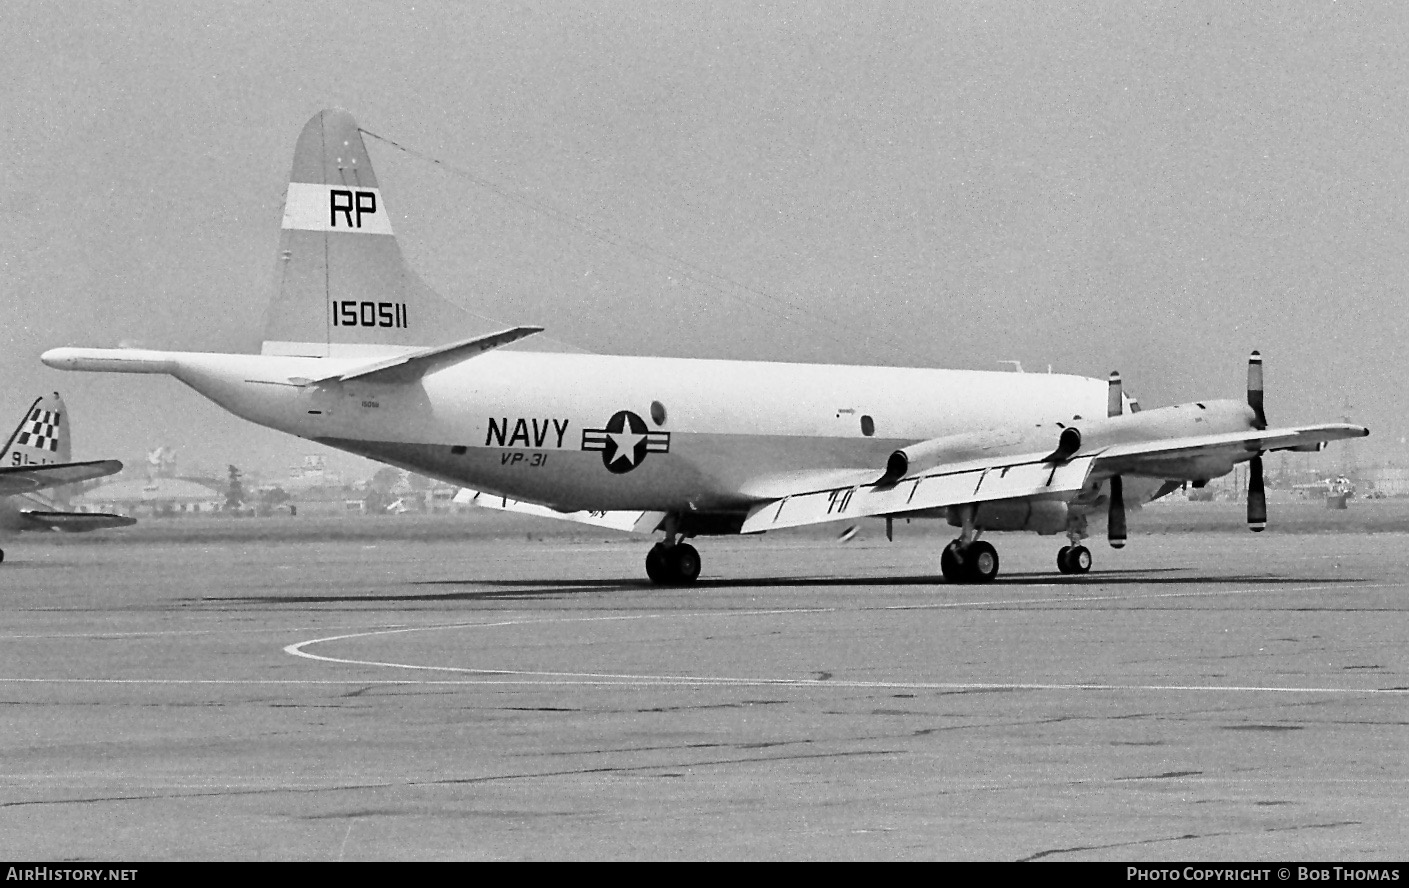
1115	519
1113	395
1257	494
1115	523
1255	390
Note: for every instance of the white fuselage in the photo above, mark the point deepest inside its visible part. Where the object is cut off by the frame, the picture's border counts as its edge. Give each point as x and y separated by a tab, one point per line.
534	426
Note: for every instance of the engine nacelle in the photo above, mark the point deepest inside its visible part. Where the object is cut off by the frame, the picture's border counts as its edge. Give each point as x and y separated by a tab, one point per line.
968	446
1178	421
1169	423
1059	442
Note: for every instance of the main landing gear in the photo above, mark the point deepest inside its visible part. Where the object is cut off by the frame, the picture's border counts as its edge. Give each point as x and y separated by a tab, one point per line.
975	563
969	559
672	561
673	564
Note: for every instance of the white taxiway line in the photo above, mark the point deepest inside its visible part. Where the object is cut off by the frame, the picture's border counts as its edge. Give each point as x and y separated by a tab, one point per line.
497	676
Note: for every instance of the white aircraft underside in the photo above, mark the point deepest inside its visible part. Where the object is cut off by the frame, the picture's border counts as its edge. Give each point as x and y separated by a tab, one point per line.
360	355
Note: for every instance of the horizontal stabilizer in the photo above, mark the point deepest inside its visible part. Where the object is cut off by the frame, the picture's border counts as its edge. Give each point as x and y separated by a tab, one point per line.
624	520
78	522
24	479
410	367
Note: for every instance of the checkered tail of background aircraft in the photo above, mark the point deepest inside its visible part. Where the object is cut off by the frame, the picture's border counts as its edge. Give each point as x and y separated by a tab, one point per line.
42	437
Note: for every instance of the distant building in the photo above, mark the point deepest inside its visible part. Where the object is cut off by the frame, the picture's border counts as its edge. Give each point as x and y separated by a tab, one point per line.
1389	480
324	501
154	497
312	473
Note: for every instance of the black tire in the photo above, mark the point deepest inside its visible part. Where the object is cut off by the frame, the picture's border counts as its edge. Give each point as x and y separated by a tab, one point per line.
658	565
684	560
1079	558
950	564
981	562
1063	554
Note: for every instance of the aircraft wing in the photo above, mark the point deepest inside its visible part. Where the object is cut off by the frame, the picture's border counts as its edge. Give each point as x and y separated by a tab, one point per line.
974	481
25	479
629	521
1163	458
1034	475
77	522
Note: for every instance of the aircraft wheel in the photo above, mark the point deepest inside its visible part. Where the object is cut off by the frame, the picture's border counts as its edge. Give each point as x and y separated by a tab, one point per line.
981	562
658	564
685	563
1079	560
950	565
1062	555
2	554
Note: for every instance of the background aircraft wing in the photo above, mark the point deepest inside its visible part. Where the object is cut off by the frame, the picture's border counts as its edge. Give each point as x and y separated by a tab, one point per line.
974	481
624	520
24	479
77	522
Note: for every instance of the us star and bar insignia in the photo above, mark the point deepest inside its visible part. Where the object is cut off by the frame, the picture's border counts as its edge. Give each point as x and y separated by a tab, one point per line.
625	442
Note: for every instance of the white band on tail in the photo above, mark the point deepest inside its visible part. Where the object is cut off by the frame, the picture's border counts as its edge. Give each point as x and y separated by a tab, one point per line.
344	208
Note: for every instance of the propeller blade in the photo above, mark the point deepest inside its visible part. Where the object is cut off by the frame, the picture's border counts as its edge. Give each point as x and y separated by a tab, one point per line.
1257	496
1113	395
1255	390
1115	523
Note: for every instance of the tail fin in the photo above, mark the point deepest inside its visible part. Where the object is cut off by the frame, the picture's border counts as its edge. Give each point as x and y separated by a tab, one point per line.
42	437
343	289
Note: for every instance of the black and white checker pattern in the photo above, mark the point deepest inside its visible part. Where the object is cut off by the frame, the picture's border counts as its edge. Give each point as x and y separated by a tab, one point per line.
42	431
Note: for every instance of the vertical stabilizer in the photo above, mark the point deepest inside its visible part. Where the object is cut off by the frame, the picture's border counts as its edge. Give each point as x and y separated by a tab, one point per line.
42	437
341	285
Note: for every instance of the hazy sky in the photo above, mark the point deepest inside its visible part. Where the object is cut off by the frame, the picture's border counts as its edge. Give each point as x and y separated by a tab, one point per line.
1152	188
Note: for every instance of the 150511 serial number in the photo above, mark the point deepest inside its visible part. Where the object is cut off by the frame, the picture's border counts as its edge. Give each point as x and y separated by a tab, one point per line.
351	313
